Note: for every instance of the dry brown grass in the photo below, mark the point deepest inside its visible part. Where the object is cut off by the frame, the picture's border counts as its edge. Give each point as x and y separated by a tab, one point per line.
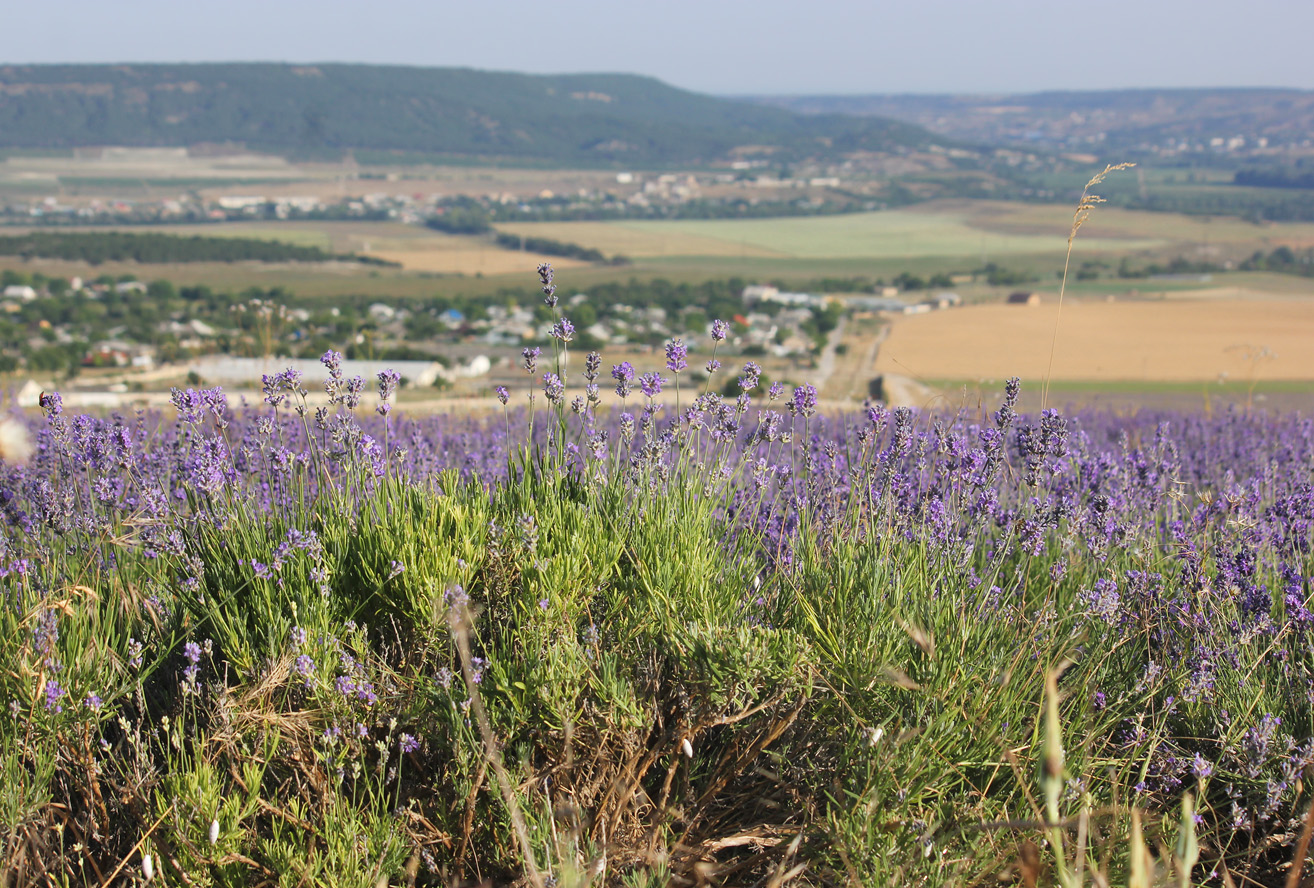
1152	341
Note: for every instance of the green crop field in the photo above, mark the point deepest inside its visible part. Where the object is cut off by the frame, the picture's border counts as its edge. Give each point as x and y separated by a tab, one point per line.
878	235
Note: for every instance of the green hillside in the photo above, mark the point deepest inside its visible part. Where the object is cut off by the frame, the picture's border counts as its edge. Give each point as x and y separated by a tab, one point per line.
320	110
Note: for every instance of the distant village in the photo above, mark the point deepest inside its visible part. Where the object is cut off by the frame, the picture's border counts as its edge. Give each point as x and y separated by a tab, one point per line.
429	349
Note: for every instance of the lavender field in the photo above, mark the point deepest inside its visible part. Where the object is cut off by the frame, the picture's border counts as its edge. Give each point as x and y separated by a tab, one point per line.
650	636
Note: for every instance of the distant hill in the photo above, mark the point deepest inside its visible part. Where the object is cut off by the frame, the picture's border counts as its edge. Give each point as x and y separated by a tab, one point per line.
1103	120
326	110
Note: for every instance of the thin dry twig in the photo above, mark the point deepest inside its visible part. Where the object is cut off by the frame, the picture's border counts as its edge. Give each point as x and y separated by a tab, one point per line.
460	622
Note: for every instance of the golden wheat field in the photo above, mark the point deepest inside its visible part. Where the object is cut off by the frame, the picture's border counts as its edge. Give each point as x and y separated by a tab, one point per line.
1170	341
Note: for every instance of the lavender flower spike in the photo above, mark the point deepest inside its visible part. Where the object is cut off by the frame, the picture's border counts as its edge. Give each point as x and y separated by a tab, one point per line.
530	359
676	355
549	289
651	383
623	373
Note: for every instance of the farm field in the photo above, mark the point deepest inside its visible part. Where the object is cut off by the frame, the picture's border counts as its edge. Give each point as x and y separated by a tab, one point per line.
903	234
1167	341
926	239
503	658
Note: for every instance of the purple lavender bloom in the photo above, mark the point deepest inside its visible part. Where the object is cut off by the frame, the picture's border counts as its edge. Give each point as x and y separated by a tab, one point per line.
752	375
713	365
52	403
592	363
408	744
563	330
720	330
776	390
332	361
502	394
804	402
676	355
651	384
54	694
553	388
189	405
388	382
456	597
549	290
93	702
217	403
355	386
280	385
529	359
623	373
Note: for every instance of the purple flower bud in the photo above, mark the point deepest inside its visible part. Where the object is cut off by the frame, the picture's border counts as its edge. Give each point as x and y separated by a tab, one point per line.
676	355
563	330
623	373
388	382
549	290
54	693
752	375
502	394
553	388
651	384
804	402
333	362
720	330
529	358
52	403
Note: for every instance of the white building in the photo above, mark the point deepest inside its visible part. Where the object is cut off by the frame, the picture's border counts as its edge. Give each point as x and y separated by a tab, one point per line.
20	291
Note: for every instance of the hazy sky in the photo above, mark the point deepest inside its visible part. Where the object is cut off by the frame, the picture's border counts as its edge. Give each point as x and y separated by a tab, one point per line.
721	46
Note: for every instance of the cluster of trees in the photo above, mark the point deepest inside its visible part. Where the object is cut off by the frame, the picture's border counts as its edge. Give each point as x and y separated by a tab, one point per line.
1275	177
550	247
1283	259
465	217
96	247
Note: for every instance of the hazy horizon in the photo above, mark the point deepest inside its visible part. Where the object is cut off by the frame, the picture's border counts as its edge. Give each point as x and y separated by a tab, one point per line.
731	95
734	47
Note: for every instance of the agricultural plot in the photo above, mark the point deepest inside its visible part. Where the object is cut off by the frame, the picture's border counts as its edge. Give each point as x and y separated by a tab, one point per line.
1179	340
551	642
901	234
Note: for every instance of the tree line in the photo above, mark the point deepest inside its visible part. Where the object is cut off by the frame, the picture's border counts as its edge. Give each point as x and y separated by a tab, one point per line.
96	247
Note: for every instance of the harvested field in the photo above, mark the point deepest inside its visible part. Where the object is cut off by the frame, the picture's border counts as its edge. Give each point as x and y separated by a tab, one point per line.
488	260
1162	341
